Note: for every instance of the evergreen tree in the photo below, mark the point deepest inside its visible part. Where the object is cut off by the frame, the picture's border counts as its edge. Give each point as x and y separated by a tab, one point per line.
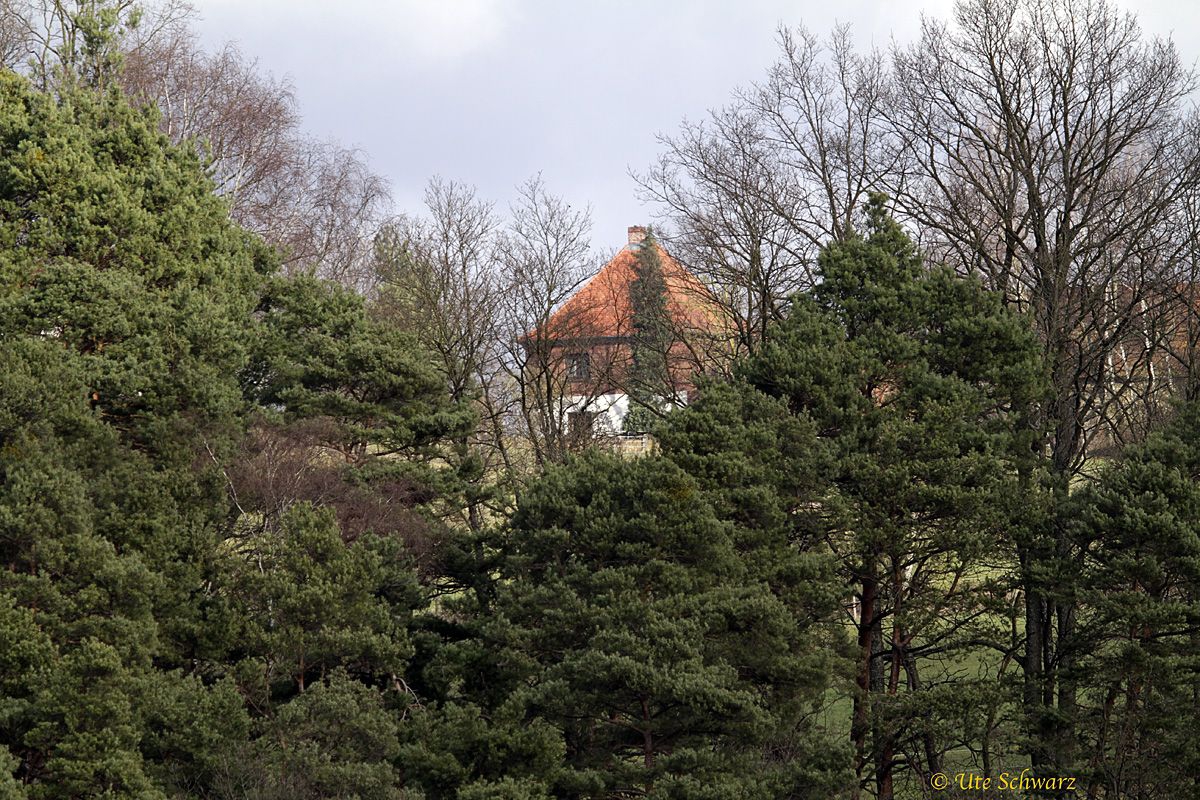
906	385
311	604
337	739
124	317
320	355
664	657
159	638
359	409
1138	657
651	339
304	702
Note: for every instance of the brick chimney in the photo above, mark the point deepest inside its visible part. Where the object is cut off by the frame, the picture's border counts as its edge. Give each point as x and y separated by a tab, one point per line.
637	234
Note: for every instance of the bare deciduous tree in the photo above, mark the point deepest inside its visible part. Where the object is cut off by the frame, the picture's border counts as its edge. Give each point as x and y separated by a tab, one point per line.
243	119
280	465
479	290
751	194
1182	364
15	39
439	282
823	106
57	43
436	278
318	202
1052	145
544	255
719	187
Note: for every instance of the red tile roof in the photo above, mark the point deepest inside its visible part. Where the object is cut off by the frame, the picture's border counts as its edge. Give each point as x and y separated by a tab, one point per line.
601	308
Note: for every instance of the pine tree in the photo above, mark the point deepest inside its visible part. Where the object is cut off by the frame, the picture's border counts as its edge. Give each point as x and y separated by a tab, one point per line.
905	386
664	657
124	317
319	355
158	638
1138	661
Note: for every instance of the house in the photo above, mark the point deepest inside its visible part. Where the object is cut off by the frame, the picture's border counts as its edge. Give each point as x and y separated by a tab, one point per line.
592	338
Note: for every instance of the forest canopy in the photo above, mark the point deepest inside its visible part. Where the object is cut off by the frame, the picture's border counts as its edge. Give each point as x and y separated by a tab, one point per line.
292	515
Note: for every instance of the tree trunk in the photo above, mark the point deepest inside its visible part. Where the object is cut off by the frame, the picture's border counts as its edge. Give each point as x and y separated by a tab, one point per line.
933	758
1031	664
861	723
884	777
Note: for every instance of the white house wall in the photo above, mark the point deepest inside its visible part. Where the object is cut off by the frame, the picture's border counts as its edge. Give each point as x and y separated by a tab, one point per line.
610	408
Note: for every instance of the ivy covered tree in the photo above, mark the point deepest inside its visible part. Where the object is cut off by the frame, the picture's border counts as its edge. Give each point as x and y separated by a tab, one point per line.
651	339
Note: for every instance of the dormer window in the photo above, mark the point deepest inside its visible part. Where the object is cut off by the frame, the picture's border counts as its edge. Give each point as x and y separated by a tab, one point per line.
578	368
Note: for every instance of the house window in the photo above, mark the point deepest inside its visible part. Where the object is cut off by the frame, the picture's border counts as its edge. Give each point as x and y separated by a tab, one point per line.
581	424
578	368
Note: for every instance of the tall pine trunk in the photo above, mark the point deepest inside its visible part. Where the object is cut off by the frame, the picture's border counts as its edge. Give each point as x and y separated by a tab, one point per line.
861	723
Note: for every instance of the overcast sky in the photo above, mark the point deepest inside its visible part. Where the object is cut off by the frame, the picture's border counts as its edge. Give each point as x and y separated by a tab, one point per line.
490	92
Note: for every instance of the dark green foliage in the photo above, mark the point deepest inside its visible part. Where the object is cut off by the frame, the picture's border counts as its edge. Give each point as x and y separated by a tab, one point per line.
248	547
1139	631
122	254
761	465
78	625
311	604
320	355
664	656
456	749
882	421
156	635
355	411
125	297
193	731
337	739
